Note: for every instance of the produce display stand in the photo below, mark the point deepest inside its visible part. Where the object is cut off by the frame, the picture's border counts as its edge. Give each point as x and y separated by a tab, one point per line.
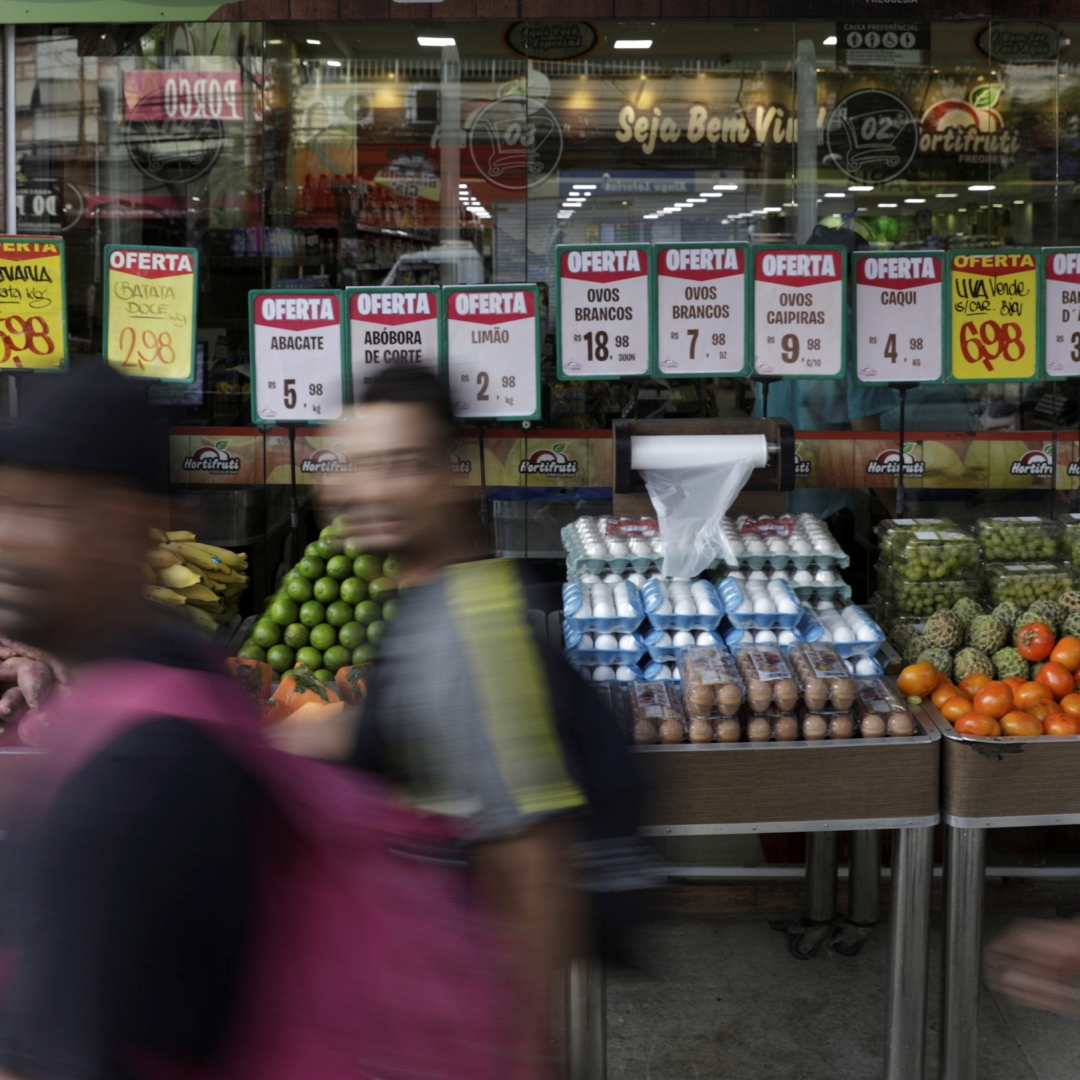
988	784
821	788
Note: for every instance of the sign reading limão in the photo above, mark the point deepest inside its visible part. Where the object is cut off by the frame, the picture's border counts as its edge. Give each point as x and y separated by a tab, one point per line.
993	315
33	306
150	311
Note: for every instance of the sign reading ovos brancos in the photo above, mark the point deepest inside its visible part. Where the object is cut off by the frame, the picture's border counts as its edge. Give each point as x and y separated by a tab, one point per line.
898	317
33	304
602	307
298	370
701	309
994	317
392	327
1061	312
799	312
150	299
493	351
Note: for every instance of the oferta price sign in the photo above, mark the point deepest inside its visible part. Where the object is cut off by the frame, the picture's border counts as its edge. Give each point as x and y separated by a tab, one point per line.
994	333
396	326
33	304
899	331
150	298
1061	312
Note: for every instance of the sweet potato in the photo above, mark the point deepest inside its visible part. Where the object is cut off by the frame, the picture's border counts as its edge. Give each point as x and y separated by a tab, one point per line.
19	649
34	679
12	703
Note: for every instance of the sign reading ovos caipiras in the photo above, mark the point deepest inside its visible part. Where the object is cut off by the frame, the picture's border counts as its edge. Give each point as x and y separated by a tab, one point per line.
396	326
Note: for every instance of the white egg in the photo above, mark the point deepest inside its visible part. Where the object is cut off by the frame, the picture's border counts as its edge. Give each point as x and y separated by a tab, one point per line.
663	673
625	610
589	579
618	549
657	545
603	673
842	634
866	633
758	575
755	547
663	641
601	592
699	588
737	547
637	579
624	674
664	608
707	637
584	610
628	642
782	575
801	547
765	637
653	575
611	578
586	642
686	607
822	547
852	616
640	547
786	606
826	634
585	674
606	642
595	550
826	605
681	638
825	577
865	666
804	577
764	606
738	575
676	675
603	610
745	608
707	607
780	547
786	637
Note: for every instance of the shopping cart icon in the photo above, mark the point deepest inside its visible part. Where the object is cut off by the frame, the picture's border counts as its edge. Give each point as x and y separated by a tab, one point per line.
871	131
515	142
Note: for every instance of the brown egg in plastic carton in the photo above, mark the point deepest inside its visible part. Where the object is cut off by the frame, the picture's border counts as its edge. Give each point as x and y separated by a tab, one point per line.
657	713
822	676
712	693
833	724
772	724
882	711
767	678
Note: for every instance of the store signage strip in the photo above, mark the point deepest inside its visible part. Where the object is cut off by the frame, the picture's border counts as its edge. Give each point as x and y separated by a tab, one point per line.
603	311
393	326
701	298
299	372
799	317
33	304
994	330
492	335
899	317
150	311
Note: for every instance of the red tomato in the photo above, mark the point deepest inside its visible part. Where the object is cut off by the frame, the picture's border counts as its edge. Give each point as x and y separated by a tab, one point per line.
1035	641
976	723
1070	704
1058	678
1020	723
1030	692
1067	653
1061	724
1014	682
995	699
971	684
1042	709
955	707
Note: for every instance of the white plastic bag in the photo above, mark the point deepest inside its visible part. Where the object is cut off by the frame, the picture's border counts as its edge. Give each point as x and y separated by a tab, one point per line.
690	507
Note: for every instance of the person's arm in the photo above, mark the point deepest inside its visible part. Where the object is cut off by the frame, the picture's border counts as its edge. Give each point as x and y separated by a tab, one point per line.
1037	962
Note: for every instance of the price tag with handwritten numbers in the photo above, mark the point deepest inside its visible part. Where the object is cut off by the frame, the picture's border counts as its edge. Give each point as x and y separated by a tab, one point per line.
493	350
994	333
298	359
150	297
1060	280
33	304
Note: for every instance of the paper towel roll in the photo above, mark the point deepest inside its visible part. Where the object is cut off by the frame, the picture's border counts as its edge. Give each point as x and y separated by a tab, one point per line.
684	451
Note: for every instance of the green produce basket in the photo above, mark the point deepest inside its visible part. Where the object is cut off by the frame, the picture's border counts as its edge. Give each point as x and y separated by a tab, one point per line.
924	597
933	554
1023	582
892	534
1018	539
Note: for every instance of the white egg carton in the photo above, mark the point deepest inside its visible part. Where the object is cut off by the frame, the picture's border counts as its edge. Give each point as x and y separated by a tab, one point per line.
736	638
821	583
864	667
602	608
610	577
849	629
606	673
600	543
760	605
802	542
667	645
680	604
588	649
662	672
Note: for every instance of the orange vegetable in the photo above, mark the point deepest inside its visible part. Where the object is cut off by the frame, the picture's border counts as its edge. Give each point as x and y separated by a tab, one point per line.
314	711
971	684
1014	682
1060	724
1058	678
1028	693
954	708
945	691
296	689
977	723
918	680
995	699
1070	704
1067	653
1042	709
352	682
1018	723
253	675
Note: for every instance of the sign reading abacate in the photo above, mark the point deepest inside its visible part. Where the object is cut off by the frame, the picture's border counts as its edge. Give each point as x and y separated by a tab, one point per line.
701	306
392	327
33	304
1061	307
602	307
298	371
898	335
799	312
493	351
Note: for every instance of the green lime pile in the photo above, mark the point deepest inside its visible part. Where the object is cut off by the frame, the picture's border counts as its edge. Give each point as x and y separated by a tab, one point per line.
1024	582
331	610
933	554
1017	539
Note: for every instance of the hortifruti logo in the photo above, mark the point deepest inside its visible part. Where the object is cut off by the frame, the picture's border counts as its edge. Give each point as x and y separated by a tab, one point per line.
887	462
212	459
804	466
972	131
325	460
549	462
1039	462
459	466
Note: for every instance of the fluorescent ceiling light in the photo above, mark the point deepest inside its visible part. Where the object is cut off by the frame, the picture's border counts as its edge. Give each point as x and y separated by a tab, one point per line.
998	206
835	194
675	209
914	200
684	205
946	195
886	205
962	210
830	40
584	187
274	41
790	205
1018	202
712	194
981	187
333	63
725	187
634	43
860	187
695	200
649	217
772	209
435	42
313	41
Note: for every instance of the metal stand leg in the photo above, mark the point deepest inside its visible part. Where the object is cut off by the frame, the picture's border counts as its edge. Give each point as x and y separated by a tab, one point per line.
864	891
821	877
965	869
587	1020
909	953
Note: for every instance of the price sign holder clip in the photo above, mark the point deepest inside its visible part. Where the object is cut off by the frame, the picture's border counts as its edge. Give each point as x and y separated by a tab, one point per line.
765	381
902	388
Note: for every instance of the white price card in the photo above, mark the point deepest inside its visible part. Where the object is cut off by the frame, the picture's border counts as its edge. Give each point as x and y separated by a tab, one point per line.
493	351
603	311
1061	300
899	333
701	307
799	311
298	370
392	327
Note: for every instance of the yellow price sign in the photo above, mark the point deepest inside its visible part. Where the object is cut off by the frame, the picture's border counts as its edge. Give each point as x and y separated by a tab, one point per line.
994	316
150	311
33	304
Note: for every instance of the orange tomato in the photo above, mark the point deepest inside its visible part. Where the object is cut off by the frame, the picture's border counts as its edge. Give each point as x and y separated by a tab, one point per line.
1070	704
1014	682
972	684
1058	678
976	723
1042	709
1060	724
944	692
1067	653
995	699
942	678
1028	693
1017	723
918	680
954	708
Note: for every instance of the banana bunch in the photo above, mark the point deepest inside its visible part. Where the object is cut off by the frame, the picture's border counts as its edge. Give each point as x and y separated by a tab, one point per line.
206	581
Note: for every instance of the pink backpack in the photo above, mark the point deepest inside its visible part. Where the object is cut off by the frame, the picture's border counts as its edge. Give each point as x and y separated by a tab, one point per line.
370	959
